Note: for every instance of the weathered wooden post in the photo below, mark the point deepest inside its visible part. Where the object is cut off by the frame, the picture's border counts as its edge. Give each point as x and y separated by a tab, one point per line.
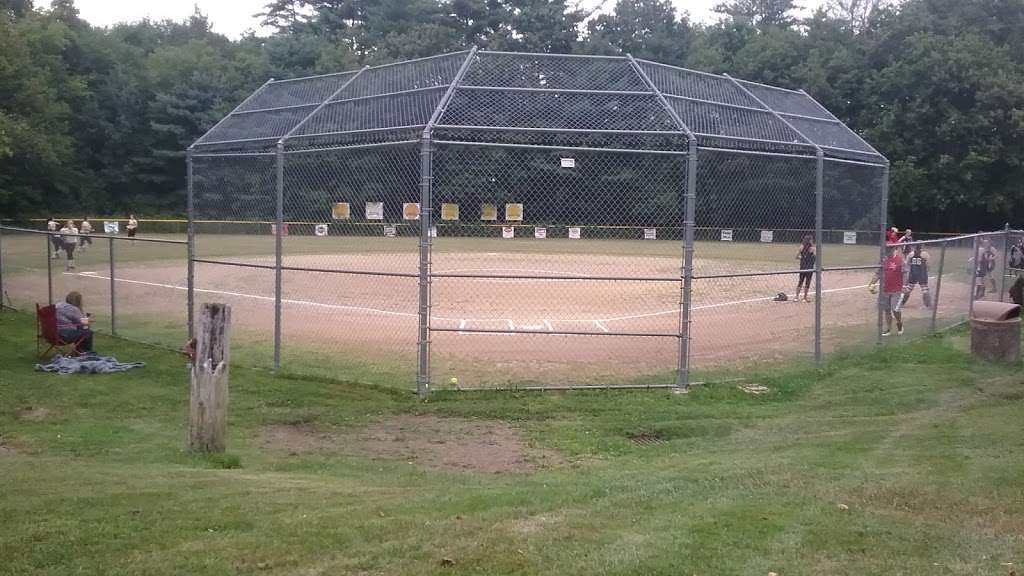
209	415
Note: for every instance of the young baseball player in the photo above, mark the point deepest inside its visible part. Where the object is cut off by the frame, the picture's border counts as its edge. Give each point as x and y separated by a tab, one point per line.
53	227
907	240
133	226
807	257
69	238
984	265
917	264
892	235
86	229
892	289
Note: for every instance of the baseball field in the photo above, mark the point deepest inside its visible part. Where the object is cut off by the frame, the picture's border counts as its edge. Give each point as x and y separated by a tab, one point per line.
505	312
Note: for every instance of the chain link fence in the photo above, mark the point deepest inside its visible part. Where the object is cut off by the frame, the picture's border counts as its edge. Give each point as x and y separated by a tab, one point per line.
135	288
506	220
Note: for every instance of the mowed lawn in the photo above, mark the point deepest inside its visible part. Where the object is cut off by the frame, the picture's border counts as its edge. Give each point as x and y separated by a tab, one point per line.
909	460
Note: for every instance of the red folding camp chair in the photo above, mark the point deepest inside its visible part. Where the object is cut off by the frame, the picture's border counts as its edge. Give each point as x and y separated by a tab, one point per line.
47	333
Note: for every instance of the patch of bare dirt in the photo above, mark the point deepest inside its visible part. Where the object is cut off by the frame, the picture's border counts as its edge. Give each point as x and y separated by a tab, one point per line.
33	413
485	446
298	439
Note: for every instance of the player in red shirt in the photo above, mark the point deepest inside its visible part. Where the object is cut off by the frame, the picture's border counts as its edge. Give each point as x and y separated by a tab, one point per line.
892	289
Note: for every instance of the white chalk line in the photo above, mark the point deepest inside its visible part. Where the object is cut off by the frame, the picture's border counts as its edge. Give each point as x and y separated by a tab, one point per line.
463	322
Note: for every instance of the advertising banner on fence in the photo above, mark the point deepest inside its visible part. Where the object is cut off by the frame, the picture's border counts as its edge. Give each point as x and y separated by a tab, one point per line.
767	236
508	232
389	231
849	237
411	211
341	211
111	227
488	212
650	233
374	210
320	230
273	229
513	212
540	233
726	236
574	233
449	211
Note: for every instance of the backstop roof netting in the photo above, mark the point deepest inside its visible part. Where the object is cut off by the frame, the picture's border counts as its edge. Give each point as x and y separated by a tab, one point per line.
539	99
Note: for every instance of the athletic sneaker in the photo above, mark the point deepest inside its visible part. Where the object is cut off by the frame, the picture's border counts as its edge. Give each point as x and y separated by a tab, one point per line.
899	332
887	333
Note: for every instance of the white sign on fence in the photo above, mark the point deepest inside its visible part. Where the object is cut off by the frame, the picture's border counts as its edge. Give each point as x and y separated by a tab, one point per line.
508	232
433	232
767	236
568	162
111	227
726	235
540	233
320	230
650	233
374	210
849	237
389	231
574	233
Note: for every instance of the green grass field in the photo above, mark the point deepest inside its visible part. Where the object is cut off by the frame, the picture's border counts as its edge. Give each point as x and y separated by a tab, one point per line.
919	443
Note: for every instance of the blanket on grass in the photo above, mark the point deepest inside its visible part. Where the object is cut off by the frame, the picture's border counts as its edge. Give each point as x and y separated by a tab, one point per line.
89	363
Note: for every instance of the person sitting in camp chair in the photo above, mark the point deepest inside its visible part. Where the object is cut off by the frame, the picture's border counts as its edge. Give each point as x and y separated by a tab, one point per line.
73	324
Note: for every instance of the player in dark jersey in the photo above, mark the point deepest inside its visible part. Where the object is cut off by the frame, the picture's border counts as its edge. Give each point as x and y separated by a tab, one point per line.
917	275
907	240
807	257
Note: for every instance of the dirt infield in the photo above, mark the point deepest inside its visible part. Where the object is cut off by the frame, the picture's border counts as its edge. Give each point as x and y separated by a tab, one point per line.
622	330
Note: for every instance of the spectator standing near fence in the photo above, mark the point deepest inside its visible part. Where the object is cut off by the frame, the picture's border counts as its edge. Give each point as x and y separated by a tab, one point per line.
807	257
133	226
892	289
984	266
73	324
85	228
69	239
52	226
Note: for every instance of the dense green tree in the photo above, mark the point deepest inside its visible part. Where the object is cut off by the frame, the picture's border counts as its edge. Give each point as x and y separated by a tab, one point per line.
98	118
763	14
644	28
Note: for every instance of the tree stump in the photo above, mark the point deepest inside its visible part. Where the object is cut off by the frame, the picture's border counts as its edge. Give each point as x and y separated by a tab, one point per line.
209	392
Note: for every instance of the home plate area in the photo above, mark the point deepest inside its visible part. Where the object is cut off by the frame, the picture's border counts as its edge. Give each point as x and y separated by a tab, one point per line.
508	326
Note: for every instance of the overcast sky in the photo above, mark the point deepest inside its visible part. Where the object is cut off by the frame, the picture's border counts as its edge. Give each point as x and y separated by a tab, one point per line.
234	17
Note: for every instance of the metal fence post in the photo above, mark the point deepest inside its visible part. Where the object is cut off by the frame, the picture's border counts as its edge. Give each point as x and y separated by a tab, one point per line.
938	288
113	290
278	255
819	203
685	314
423	339
426	222
974	278
2	293
883	227
191	248
1006	259
49	268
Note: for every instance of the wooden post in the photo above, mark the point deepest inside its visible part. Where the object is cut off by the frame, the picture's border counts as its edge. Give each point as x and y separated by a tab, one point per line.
209	416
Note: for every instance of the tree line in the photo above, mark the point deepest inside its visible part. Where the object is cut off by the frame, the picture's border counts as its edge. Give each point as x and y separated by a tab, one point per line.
97	119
